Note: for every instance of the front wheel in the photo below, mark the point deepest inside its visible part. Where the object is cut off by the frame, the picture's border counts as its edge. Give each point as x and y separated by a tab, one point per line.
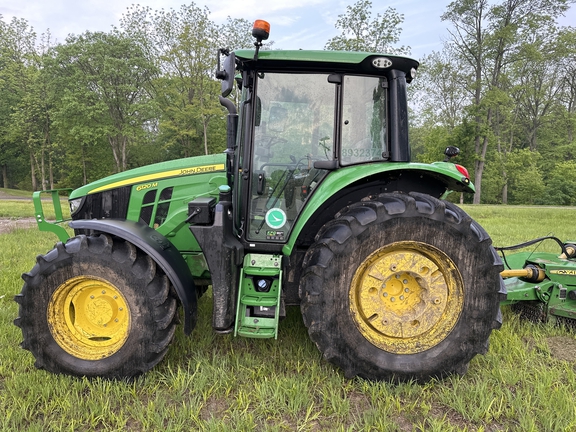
401	287
96	306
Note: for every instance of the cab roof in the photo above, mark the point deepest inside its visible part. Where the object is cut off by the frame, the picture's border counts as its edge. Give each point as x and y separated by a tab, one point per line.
323	60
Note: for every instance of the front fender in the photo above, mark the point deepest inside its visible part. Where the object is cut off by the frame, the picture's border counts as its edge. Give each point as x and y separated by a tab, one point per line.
161	250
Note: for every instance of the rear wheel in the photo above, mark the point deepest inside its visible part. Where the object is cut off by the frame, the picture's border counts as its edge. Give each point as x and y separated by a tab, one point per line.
401	287
96	307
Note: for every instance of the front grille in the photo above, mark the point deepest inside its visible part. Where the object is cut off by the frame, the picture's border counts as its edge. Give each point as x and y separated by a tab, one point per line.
104	205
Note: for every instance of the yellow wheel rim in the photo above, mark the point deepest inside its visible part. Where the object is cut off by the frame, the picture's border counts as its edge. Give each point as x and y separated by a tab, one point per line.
89	317
406	297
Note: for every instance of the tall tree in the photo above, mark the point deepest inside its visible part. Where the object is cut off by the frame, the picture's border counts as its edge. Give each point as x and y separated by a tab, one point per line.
236	33
18	127
439	91
183	44
106	77
487	39
27	123
567	71
359	32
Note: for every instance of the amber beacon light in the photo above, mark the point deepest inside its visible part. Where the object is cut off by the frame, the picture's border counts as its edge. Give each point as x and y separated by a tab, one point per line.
261	30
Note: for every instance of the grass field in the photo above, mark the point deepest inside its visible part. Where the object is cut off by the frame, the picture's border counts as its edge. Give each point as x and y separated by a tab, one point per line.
526	381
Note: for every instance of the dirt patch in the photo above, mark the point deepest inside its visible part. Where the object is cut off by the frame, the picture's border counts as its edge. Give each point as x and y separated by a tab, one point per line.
4	195
562	348
8	225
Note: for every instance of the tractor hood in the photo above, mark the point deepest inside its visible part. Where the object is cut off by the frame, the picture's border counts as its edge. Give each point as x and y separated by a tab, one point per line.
155	172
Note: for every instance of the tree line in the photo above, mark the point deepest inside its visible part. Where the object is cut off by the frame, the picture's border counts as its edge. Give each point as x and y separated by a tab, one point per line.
502	89
104	102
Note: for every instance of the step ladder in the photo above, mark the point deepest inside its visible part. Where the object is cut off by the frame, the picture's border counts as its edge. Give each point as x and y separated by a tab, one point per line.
258	308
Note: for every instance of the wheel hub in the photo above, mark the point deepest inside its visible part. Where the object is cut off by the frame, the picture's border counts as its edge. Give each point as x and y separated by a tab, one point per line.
89	317
406	297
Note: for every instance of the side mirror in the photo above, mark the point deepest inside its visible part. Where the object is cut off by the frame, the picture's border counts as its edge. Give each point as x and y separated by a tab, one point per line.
451	152
226	74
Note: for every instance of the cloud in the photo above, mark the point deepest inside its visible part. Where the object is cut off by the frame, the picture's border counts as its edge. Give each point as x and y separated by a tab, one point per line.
254	9
304	39
285	20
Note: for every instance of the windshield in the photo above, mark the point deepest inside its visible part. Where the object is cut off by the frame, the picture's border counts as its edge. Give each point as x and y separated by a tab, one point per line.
294	127
295	119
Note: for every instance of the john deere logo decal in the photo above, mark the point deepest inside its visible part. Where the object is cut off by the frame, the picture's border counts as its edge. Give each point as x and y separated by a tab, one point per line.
564	272
275	218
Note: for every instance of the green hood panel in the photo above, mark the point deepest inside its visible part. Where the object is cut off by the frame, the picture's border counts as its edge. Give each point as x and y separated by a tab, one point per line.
155	172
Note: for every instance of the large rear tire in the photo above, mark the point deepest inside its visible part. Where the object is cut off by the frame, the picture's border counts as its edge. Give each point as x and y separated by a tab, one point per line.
96	306
401	287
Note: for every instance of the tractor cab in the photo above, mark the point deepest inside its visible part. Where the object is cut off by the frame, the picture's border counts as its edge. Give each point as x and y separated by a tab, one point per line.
303	115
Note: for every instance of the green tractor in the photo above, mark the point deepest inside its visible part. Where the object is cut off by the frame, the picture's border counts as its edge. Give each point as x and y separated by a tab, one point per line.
315	202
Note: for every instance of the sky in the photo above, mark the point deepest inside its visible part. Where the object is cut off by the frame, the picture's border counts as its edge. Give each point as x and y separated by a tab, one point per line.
295	24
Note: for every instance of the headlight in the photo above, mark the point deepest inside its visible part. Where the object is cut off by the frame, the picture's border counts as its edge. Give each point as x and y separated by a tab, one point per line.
75	205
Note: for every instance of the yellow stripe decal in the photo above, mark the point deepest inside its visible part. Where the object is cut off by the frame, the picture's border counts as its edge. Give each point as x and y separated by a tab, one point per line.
162	175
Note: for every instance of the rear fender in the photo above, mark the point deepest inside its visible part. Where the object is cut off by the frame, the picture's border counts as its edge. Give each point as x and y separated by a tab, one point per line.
346	185
161	250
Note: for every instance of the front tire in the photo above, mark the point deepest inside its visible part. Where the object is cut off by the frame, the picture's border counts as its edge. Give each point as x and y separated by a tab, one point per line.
96	306
401	287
